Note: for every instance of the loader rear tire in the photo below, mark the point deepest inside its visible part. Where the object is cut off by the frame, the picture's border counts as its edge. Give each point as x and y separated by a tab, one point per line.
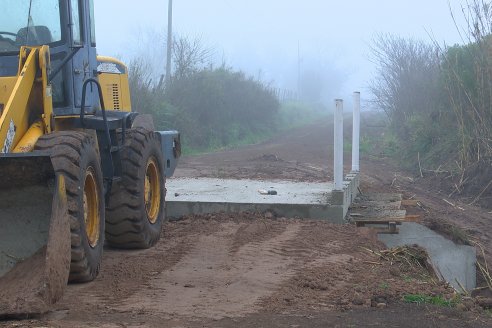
74	155
136	210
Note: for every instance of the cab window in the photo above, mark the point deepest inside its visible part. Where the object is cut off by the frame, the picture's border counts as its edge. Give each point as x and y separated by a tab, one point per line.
29	22
76	22
93	24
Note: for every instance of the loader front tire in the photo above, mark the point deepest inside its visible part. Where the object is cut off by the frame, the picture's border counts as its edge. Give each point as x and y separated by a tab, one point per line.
136	210
74	155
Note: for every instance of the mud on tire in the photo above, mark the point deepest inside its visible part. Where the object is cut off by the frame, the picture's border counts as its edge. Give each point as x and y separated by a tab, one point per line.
135	213
74	154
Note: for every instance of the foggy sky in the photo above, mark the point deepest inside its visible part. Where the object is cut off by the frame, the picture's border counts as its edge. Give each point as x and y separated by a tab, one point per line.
262	37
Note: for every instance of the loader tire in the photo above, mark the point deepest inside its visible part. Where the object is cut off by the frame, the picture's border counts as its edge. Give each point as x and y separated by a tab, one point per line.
74	155
136	211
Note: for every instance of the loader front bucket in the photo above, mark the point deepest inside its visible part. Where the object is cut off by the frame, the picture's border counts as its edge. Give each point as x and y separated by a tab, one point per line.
34	235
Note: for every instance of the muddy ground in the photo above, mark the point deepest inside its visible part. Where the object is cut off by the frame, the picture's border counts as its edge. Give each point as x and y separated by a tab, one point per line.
257	270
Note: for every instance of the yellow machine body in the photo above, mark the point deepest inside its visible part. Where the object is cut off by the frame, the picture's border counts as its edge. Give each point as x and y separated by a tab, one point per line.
35	257
25	96
26	187
114	81
113	77
66	127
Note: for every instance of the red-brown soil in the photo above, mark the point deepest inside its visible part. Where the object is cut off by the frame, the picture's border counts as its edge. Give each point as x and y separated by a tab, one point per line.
255	270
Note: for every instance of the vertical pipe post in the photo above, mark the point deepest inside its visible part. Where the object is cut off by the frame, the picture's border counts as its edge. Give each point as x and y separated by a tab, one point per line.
356	134
338	146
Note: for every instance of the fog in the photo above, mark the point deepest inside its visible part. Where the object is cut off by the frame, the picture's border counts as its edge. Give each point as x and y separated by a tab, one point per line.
327	41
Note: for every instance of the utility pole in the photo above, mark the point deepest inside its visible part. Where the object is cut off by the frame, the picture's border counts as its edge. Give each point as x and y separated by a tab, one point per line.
298	70
169	41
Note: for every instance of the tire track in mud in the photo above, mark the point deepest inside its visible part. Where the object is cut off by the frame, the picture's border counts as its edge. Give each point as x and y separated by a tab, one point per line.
126	272
219	279
256	231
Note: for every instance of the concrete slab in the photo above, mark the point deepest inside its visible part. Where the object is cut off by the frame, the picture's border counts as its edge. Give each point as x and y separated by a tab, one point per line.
246	191
455	263
187	196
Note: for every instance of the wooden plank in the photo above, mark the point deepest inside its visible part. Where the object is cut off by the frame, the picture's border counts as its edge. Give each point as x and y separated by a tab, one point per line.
409	202
377	204
361	223
408	218
381	197
413	218
381	213
380	219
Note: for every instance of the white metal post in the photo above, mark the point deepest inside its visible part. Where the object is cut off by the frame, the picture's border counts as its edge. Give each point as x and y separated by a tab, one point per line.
338	146
356	133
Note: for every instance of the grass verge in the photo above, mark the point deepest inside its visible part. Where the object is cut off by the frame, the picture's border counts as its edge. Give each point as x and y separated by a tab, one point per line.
434	300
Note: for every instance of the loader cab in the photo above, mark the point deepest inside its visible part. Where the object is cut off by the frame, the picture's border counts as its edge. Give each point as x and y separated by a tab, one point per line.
67	26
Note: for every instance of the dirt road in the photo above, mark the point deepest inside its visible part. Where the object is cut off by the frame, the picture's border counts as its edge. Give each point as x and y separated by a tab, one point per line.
255	270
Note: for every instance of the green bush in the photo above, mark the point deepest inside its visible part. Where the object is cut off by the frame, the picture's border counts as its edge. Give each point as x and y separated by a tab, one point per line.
438	106
220	107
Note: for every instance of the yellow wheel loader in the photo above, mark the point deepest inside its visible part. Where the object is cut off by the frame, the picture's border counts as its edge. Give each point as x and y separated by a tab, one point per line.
78	167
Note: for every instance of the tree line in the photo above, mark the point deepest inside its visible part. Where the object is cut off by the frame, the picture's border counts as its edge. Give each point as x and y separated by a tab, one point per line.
438	100
213	106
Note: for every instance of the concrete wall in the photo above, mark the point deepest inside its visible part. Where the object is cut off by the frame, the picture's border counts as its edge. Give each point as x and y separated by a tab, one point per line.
343	199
